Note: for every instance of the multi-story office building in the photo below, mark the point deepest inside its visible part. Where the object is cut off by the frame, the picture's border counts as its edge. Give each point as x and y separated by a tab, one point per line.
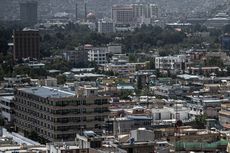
134	13
59	115
114	48
26	44
145	10
98	55
76	12
225	42
171	62
78	57
153	11
123	14
105	26
28	12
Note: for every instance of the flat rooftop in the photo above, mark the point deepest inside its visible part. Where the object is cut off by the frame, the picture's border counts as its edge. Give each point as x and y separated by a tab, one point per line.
7	98
47	92
83	75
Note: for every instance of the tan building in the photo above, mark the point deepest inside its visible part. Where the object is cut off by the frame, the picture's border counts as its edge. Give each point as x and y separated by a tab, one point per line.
122	14
224	116
59	115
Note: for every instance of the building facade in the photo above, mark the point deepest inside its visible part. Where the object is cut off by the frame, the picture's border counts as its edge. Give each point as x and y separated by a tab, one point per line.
98	55
59	115
6	106
145	10
224	116
77	57
121	69
105	26
26	44
28	12
114	48
122	14
171	62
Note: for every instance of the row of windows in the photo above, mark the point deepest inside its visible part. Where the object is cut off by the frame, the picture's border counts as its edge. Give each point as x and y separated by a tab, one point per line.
34	115
101	110
37	129
6	110
41	115
79	119
6	103
58	103
34	97
33	122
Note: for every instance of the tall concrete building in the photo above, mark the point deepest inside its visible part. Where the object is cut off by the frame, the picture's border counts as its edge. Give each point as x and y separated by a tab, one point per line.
58	115
29	12
145	10
153	10
123	14
105	26
26	44
78	57
76	12
80	9
98	55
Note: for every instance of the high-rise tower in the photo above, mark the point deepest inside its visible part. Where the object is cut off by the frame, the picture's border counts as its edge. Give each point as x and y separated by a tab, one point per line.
28	12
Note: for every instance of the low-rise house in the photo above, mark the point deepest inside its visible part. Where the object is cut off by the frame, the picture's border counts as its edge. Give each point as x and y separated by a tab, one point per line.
205	105
173	91
87	76
143	140
169	115
178	62
96	143
125	69
114	48
206	71
36	65
123	125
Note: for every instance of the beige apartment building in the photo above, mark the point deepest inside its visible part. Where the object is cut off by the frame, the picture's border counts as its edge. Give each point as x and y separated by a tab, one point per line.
59	115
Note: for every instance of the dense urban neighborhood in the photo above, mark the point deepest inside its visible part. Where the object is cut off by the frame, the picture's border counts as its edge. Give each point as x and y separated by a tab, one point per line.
114	76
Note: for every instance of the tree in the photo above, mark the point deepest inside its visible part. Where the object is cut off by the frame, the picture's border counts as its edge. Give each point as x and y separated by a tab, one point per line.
59	64
200	121
1	73
21	70
33	135
61	79
2	122
132	58
151	64
226	28
214	61
139	83
38	73
125	94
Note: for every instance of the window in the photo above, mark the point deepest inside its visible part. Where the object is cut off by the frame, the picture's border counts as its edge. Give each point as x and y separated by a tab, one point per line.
92	91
